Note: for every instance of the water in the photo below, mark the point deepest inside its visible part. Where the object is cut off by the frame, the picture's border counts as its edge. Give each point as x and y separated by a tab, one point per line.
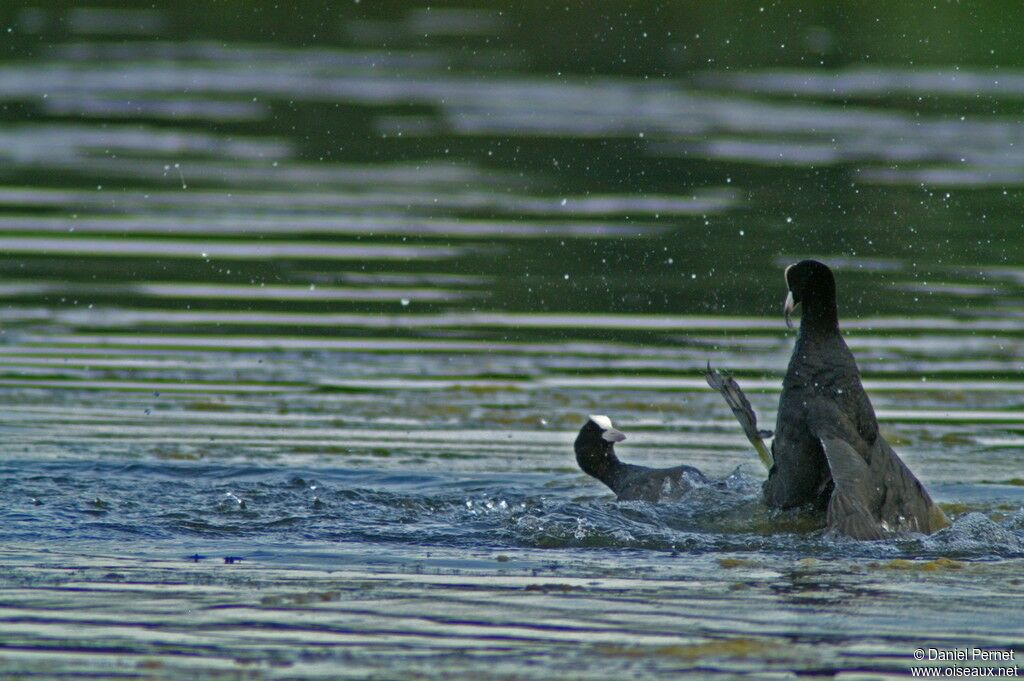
301	315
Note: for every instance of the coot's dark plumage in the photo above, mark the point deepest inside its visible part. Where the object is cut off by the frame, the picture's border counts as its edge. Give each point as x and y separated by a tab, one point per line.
827	449
595	453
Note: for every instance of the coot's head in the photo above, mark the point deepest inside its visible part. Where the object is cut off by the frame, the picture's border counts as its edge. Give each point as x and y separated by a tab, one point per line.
811	285
595	446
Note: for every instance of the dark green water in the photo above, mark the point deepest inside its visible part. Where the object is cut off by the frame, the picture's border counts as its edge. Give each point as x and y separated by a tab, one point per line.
329	290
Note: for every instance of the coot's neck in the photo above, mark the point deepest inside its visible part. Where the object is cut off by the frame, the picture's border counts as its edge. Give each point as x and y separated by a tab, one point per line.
605	468
820	318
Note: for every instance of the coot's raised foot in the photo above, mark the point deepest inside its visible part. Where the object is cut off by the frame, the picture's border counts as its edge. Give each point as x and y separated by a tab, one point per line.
741	409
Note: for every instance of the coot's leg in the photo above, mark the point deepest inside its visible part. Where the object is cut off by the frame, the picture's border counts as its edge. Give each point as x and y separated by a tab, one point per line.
741	409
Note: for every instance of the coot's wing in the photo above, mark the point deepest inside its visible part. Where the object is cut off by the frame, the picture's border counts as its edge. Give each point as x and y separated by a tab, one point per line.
855	494
741	409
907	504
858	492
874	491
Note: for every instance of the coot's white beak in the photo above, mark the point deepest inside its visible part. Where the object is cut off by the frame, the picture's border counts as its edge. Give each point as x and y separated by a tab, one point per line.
788	308
613	435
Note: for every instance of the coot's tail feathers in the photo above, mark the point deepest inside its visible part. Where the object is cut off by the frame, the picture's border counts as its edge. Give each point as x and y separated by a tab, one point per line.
741	409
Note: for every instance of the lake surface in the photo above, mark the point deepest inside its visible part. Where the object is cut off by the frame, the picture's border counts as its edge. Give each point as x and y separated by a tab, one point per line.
301	312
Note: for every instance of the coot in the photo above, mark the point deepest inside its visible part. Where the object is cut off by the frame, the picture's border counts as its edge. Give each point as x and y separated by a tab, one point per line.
595	454
827	451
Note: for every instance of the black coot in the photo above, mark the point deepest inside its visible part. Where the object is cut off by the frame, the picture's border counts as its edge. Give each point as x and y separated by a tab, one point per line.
827	450
595	453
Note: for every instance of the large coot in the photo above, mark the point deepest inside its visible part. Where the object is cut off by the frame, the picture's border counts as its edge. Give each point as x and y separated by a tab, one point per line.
827	450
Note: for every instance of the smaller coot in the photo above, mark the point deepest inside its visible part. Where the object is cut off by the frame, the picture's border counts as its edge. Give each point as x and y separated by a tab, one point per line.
595	454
